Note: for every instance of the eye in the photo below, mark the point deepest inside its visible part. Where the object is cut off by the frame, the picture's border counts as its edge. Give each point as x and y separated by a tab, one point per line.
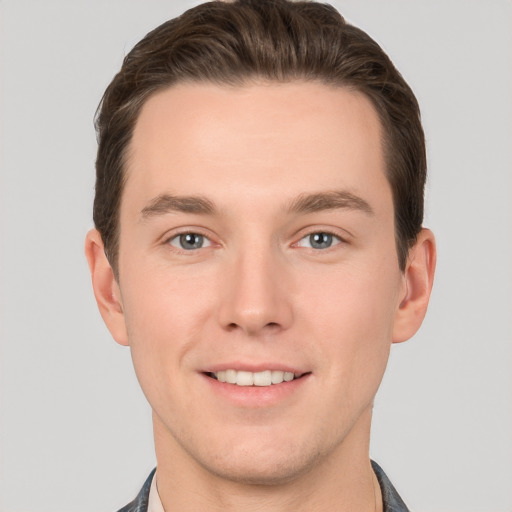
319	240
190	241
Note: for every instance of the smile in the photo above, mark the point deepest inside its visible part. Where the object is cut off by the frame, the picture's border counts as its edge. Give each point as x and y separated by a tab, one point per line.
245	378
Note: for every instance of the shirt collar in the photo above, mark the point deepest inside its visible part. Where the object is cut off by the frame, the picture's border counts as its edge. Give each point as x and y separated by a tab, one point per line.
154	501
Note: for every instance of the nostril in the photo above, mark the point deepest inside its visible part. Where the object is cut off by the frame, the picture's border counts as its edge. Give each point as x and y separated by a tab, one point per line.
269	326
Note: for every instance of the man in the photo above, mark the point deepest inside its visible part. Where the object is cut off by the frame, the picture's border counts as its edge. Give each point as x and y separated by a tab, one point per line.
258	245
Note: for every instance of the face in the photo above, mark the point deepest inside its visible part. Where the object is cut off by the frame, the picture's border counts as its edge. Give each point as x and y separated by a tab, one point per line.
257	246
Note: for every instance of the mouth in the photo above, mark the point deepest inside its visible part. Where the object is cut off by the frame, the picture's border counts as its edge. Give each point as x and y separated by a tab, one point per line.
261	379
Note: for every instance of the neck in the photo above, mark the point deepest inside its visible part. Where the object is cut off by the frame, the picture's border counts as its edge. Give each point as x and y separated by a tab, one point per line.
342	480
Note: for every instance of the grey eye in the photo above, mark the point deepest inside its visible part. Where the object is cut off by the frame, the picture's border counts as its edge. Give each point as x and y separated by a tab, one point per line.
319	240
190	241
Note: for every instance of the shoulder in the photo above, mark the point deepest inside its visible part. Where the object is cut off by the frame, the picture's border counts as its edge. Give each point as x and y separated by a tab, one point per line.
140	503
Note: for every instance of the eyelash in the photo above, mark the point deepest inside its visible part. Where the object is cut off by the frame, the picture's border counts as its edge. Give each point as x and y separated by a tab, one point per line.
177	236
336	239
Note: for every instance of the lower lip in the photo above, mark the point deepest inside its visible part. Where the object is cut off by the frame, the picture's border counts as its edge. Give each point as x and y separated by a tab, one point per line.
256	396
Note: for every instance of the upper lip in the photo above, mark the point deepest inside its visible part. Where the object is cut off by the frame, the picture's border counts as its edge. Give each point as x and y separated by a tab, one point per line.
255	367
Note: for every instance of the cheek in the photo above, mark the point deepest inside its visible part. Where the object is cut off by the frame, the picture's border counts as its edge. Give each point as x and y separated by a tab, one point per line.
352	315
358	299
166	310
159	316
162	300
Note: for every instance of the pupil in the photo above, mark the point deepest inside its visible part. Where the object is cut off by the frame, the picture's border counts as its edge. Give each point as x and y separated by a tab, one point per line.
320	240
191	241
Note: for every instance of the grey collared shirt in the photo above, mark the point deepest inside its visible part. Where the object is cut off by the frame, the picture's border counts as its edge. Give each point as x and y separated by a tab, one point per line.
390	498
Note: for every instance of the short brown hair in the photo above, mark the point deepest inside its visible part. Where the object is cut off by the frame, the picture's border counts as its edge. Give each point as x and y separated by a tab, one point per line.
277	40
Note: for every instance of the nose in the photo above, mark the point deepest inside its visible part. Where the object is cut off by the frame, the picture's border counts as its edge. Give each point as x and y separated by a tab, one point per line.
256	298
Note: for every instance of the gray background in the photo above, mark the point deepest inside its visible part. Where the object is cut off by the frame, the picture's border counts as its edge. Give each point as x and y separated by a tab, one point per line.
75	431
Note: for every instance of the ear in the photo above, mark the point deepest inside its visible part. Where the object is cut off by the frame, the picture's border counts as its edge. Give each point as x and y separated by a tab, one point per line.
418	278
105	286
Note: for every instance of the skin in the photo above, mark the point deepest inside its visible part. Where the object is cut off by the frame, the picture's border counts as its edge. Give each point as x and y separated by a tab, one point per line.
258	292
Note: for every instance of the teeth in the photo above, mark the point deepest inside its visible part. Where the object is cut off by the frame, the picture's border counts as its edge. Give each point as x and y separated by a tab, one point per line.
244	378
277	377
231	376
264	378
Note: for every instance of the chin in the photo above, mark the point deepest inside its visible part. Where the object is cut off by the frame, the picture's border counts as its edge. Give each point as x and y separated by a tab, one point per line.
271	460
252	470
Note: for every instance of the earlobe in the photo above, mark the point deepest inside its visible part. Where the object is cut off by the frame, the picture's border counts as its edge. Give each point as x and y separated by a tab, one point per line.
418	280
105	286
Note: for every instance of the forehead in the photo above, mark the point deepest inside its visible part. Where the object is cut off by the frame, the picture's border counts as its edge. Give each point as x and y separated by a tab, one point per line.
263	138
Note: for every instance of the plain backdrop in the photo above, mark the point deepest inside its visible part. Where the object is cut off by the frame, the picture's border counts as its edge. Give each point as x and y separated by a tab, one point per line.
75	430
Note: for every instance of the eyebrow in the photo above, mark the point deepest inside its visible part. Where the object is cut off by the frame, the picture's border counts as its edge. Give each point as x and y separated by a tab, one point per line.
166	203
331	200
304	203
